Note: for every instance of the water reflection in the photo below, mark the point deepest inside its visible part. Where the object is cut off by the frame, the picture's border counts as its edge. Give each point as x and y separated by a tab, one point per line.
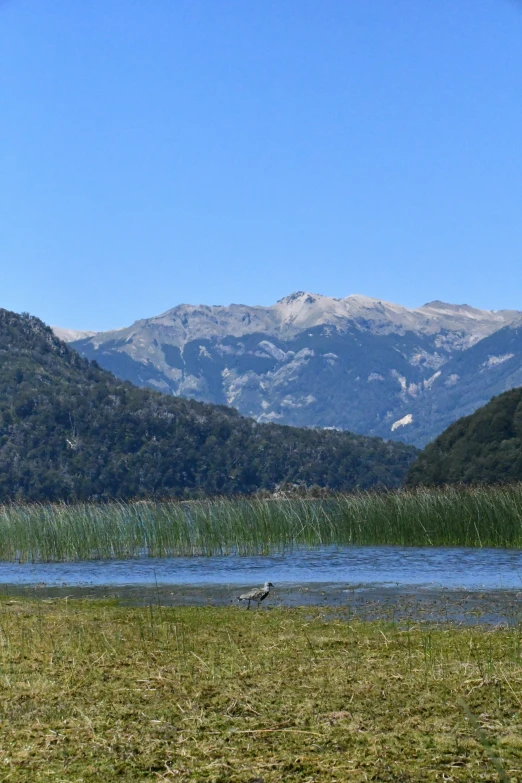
400	566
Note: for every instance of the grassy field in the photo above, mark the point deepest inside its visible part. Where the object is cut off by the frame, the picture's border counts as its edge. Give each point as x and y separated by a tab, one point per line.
449	517
91	691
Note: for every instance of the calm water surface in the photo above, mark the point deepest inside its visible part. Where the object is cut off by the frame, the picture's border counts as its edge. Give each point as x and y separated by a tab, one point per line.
448	567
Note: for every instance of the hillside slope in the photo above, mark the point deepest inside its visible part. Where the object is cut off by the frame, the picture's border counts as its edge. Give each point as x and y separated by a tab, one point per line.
356	364
70	430
468	381
485	447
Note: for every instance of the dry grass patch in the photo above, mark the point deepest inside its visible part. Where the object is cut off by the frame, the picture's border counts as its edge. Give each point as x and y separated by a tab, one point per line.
94	691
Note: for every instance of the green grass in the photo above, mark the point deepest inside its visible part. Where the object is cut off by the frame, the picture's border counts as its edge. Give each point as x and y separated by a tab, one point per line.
93	691
425	517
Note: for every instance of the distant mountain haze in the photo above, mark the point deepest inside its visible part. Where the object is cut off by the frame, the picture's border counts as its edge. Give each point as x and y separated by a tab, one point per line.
357	363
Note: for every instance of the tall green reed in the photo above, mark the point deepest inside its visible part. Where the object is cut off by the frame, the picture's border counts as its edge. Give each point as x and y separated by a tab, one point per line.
453	516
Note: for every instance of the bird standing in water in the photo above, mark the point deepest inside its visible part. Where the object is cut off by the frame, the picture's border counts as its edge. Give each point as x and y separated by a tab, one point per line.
257	594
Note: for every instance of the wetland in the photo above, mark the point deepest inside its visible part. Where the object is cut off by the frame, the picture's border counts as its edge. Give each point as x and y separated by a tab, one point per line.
389	650
450	517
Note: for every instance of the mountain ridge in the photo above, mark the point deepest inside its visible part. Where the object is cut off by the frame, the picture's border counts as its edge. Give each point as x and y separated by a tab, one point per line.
70	430
297	311
355	363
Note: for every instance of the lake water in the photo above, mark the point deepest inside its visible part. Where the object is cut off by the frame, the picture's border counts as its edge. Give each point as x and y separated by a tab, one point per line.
445	567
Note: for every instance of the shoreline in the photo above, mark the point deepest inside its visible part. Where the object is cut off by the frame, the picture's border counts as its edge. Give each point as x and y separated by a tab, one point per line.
366	602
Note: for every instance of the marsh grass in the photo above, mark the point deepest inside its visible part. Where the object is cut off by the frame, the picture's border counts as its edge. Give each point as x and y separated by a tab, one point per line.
476	517
94	691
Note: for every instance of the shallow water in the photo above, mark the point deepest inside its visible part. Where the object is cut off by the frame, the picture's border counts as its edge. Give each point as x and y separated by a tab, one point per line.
441	567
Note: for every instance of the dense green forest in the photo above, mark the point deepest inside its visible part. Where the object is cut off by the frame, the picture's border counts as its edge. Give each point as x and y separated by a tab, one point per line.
72	431
484	448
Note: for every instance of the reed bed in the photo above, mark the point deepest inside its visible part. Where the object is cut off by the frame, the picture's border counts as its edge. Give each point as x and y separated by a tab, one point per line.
476	517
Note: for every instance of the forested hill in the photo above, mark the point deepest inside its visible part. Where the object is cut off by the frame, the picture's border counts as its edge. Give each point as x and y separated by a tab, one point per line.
70	430
484	448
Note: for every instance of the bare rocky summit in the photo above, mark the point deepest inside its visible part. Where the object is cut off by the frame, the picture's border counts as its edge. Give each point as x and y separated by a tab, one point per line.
357	363
70	335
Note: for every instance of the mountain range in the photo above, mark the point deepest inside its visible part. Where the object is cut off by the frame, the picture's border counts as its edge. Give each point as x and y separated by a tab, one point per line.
358	364
70	430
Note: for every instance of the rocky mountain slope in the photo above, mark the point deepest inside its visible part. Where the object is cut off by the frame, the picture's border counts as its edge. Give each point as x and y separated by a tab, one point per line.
357	363
468	381
69	335
70	430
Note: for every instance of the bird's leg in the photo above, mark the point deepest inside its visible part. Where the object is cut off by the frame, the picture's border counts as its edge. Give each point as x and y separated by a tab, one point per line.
248	604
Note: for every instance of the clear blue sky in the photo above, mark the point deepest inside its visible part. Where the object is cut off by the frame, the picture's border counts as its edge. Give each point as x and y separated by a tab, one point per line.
154	152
